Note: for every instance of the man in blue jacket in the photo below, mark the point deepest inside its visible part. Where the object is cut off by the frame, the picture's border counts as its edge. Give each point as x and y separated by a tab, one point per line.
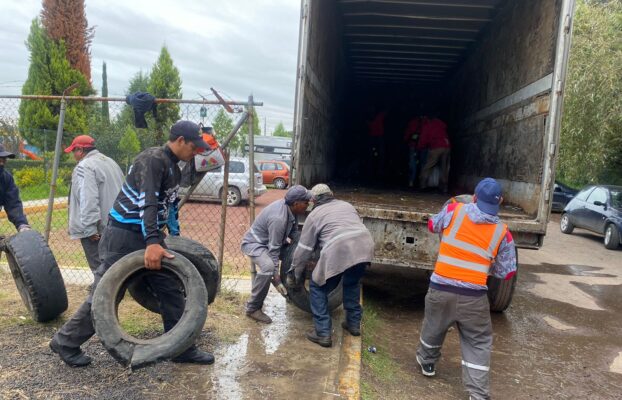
9	195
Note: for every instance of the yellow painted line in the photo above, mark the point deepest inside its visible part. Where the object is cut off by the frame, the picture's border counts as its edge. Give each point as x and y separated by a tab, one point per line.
350	366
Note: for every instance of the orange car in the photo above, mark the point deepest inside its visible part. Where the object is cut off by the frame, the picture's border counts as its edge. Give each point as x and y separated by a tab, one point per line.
275	173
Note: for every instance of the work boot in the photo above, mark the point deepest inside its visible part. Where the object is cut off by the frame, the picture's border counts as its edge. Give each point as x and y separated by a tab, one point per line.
194	356
354	331
324	341
259	316
426	369
74	357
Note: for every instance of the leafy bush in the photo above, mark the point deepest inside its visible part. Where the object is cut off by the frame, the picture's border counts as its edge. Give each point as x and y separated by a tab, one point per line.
30	176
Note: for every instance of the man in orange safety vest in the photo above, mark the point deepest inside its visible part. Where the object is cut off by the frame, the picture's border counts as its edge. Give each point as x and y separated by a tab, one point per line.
474	244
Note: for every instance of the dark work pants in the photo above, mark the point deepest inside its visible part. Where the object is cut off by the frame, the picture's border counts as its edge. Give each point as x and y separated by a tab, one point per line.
351	299
116	243
91	252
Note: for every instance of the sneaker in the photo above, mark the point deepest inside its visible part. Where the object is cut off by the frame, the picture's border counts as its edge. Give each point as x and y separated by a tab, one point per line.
426	369
194	356
259	316
324	341
354	331
74	357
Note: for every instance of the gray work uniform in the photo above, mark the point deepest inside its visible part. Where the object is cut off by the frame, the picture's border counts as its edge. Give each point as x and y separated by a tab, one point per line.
262	243
336	229
95	184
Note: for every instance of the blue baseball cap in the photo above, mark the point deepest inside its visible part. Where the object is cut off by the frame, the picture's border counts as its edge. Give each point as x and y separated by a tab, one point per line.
488	192
190	131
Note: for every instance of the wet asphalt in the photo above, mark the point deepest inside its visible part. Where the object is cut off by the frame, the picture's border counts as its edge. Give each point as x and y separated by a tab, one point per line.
561	338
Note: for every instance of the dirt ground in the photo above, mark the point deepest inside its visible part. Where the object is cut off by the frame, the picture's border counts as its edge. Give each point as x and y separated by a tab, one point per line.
561	338
252	360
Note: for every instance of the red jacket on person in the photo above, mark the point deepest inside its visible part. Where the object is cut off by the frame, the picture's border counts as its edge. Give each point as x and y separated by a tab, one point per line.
433	135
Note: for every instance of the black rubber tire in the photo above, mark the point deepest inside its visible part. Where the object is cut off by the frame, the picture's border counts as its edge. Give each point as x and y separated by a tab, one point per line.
565	225
300	296
234	197
614	238
500	291
199	255
279	183
134	352
36	274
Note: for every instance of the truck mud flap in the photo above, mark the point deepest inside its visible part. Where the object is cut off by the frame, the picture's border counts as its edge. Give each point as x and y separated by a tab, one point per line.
300	296
199	256
36	274
500	291
134	352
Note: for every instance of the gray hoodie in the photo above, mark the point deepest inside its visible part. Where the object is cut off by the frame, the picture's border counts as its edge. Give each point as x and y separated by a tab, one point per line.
95	184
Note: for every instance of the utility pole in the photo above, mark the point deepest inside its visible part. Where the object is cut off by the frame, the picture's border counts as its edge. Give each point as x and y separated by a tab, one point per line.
265	132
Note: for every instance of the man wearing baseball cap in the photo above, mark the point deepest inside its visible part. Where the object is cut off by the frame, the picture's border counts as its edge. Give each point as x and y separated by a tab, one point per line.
9	194
474	244
263	242
95	183
146	204
346	249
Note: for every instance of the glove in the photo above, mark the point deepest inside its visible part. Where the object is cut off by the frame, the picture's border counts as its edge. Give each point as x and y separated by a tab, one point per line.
23	228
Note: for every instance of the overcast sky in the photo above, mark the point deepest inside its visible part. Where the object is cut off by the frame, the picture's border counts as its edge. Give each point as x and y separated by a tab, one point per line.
236	46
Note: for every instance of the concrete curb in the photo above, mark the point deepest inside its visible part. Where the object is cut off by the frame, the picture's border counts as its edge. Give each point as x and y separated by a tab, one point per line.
38	207
349	374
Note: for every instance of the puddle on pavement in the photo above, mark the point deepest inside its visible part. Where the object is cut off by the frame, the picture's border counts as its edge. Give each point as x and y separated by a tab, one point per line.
274	334
231	365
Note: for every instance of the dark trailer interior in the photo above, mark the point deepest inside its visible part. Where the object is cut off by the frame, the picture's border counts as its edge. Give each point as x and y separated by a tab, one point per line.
485	67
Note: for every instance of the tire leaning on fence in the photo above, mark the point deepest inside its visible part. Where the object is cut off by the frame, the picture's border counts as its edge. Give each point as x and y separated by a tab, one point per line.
134	352
300	296
36	274
200	256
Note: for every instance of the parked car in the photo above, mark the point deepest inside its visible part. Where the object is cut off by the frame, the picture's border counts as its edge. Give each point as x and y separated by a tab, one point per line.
562	194
597	209
210	187
275	172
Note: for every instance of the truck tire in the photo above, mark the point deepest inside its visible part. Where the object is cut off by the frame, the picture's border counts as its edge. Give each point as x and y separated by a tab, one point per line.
134	352
300	296
500	291
199	255
36	274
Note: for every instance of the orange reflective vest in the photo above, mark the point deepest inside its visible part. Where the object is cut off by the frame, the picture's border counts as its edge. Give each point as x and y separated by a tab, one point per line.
468	249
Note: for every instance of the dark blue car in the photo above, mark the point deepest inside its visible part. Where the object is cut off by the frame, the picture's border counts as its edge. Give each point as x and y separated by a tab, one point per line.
597	209
562	195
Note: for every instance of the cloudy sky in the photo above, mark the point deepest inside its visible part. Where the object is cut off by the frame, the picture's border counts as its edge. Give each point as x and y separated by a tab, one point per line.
236	46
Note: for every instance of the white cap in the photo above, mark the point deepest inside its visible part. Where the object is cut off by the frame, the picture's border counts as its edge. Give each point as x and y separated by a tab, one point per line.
320	189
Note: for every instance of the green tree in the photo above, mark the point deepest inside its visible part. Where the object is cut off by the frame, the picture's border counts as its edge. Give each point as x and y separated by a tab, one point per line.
105	111
255	122
49	73
165	83
280	131
591	136
223	125
129	146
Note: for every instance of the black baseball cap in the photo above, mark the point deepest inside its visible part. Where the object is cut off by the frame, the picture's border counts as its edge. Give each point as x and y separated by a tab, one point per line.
4	153
190	131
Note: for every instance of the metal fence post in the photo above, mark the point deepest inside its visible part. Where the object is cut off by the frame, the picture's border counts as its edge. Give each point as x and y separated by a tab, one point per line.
251	160
57	151
223	216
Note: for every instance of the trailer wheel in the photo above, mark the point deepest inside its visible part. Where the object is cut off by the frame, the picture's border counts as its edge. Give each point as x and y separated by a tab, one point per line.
36	274
500	291
199	255
300	296
134	352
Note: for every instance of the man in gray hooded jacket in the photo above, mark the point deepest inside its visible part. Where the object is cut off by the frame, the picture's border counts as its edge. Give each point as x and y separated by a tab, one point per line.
263	242
95	184
346	249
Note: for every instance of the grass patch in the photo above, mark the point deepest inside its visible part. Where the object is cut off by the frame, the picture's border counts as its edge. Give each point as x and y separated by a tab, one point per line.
42	191
138	321
223	316
383	369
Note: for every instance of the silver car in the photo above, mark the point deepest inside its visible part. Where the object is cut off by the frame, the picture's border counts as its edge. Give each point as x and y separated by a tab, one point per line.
210	187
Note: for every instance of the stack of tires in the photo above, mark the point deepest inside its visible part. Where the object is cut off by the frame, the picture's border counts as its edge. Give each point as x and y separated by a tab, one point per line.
194	266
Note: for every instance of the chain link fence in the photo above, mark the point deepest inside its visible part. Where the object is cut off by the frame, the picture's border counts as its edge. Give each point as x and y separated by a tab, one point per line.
203	218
